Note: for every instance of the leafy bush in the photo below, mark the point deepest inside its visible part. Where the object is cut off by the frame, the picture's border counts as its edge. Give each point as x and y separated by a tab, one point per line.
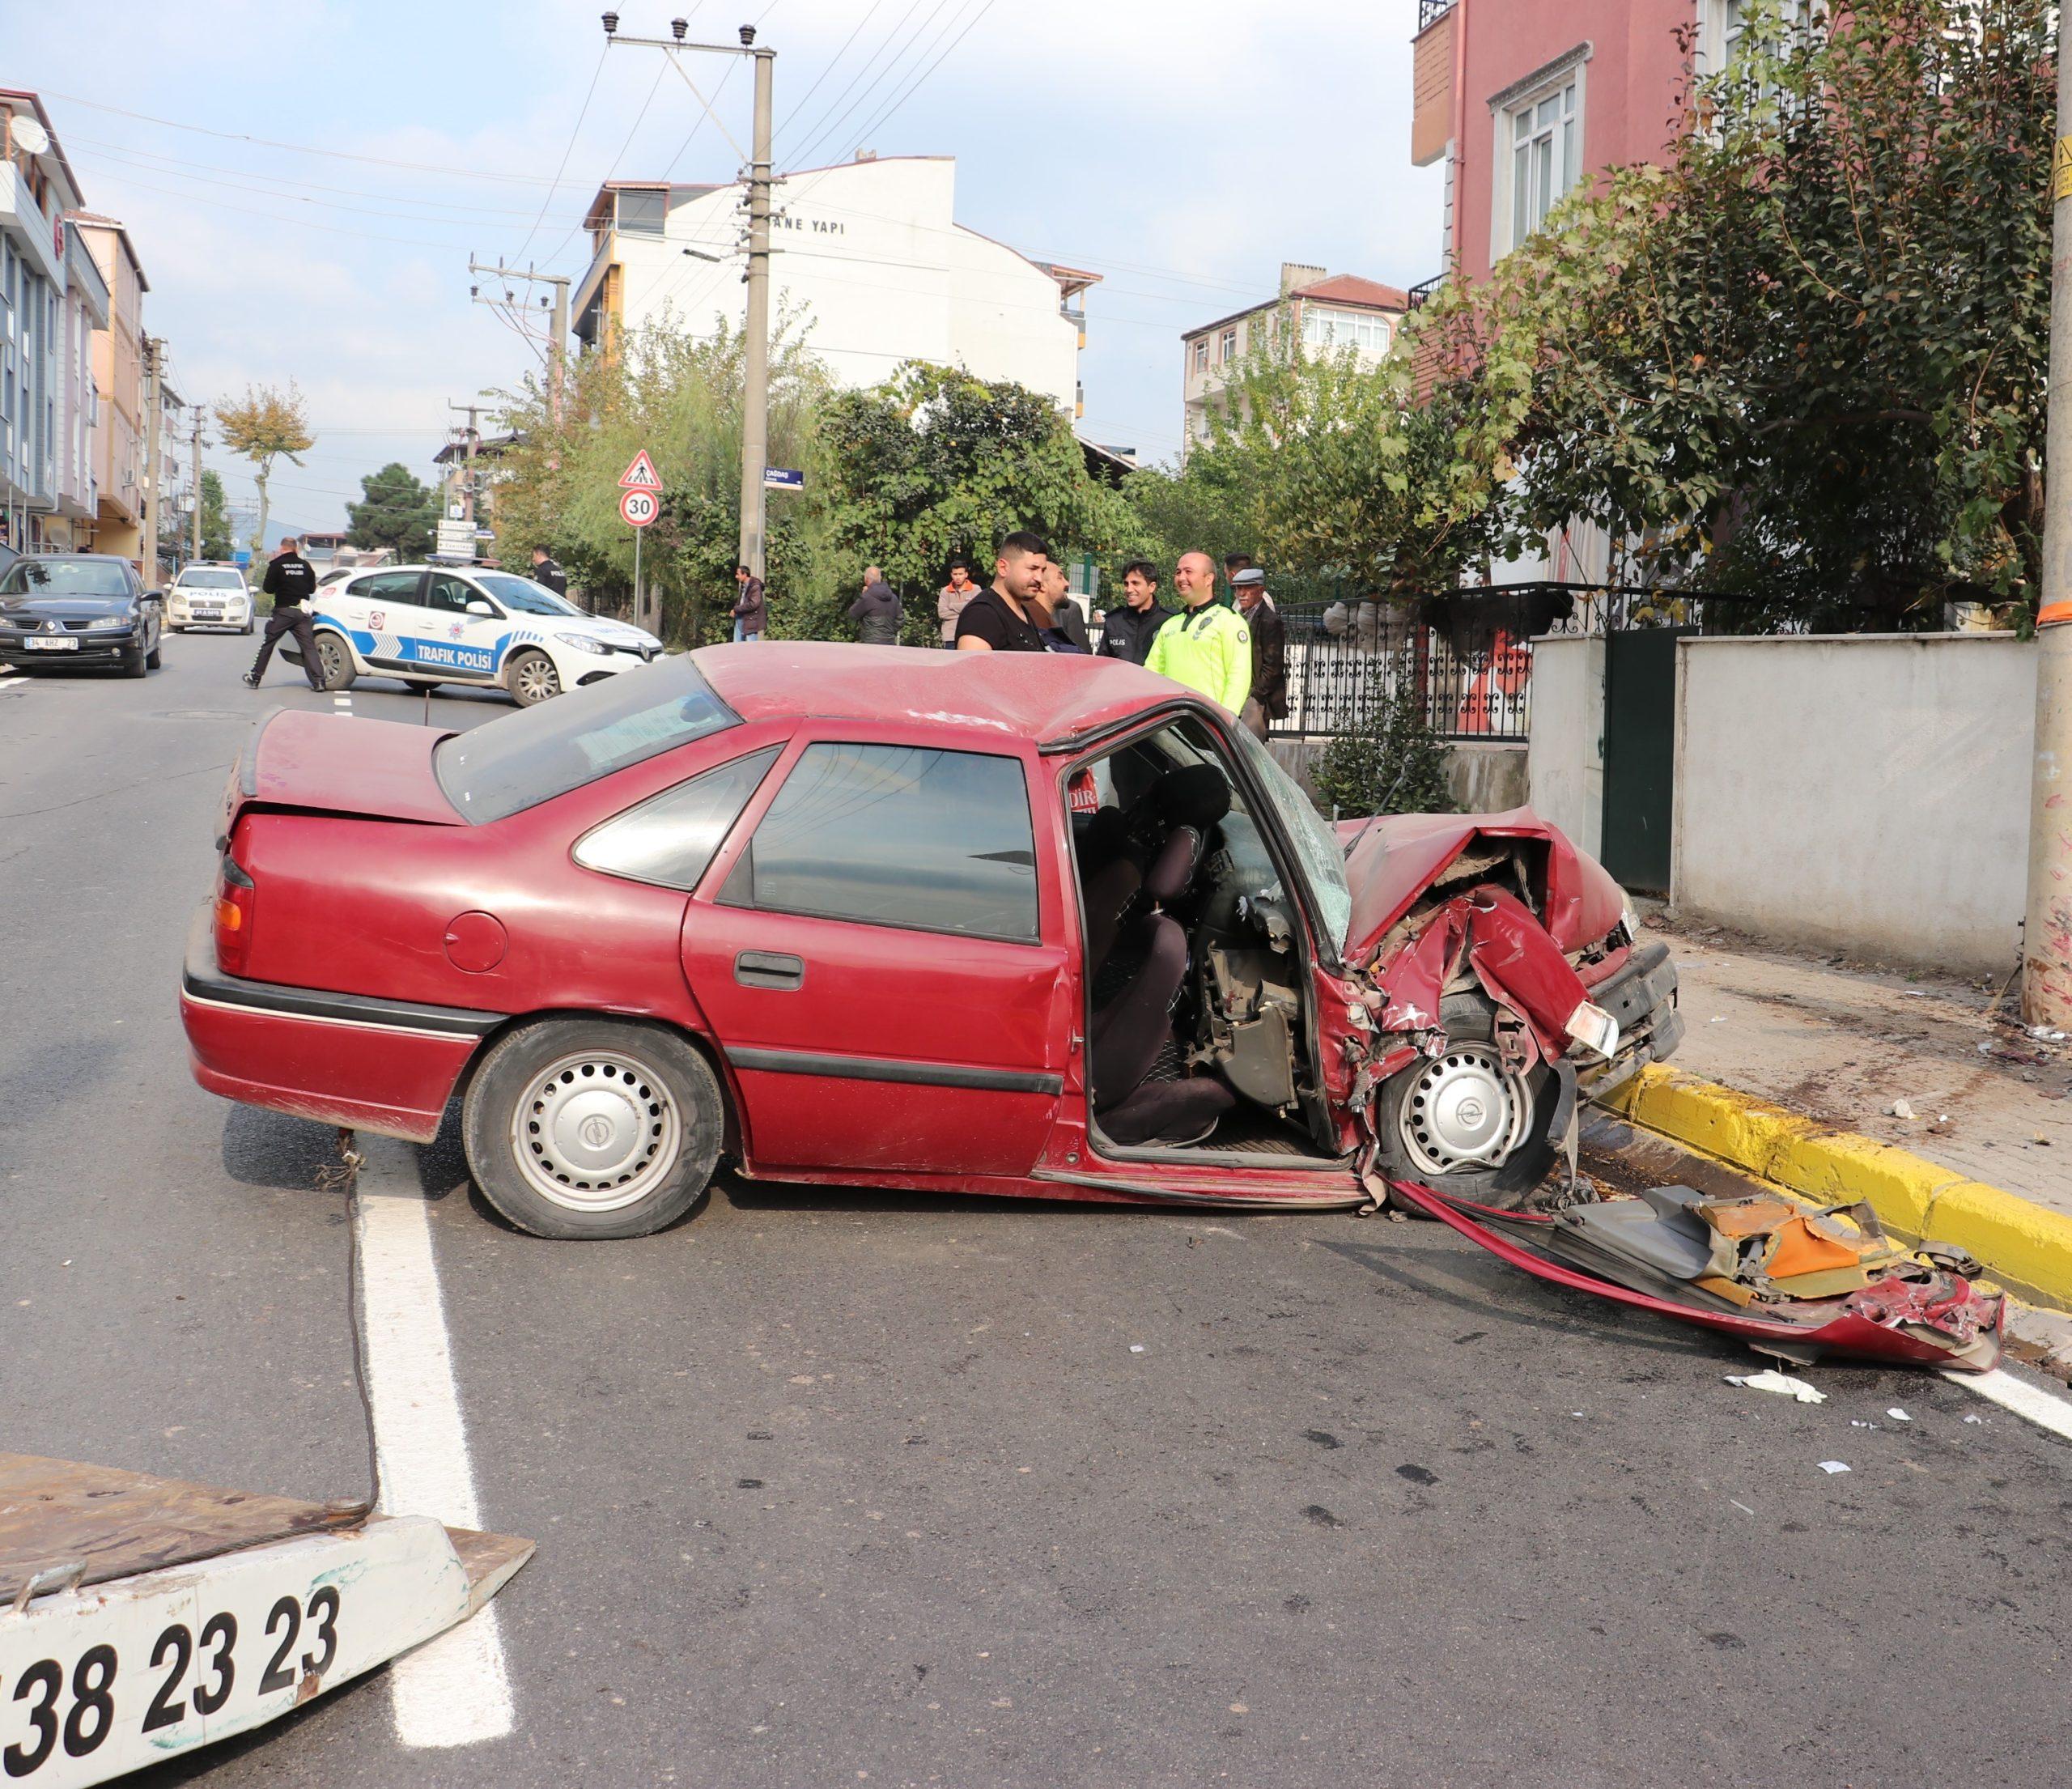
1395	764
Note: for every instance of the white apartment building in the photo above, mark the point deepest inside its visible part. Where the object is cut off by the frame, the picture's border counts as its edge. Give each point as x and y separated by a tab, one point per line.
1331	311
869	265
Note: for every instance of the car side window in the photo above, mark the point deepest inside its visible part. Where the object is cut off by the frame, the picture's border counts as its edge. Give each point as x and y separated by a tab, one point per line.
899	835
670	838
449	595
387	587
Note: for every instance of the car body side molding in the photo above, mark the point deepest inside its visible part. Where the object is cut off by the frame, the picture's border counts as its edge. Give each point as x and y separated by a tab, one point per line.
925	1074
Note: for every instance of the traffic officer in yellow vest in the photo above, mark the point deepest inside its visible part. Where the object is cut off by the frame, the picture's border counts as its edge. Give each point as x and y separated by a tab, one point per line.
1206	646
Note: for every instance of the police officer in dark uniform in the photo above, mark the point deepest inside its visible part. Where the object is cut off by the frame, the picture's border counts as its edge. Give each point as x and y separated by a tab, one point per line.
290	582
547	570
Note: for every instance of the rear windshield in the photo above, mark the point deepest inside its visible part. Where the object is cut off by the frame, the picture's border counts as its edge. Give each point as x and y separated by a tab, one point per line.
519	760
65	578
211	580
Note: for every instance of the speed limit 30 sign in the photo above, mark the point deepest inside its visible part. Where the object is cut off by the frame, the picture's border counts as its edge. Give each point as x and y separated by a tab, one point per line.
640	508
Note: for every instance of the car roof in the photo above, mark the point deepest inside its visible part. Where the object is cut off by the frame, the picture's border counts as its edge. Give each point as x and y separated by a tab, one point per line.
1027	697
110	558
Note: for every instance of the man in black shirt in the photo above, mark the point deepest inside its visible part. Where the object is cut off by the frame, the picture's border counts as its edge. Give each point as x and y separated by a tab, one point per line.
1010	616
545	570
290	583
1126	631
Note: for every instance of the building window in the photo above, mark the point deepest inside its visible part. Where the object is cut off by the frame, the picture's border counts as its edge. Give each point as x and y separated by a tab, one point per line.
1201	353
642	214
1543	159
1226	347
1329	330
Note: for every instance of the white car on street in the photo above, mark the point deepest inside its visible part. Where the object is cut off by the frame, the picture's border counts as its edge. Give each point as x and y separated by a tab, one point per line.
209	596
431	624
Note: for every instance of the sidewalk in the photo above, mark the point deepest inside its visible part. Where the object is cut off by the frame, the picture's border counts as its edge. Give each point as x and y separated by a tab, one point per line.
1792	1065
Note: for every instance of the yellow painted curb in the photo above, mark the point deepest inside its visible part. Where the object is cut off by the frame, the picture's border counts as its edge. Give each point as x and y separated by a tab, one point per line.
2024	1246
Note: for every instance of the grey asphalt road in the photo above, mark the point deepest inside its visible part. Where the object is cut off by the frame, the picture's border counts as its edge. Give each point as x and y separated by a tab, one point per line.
835	1488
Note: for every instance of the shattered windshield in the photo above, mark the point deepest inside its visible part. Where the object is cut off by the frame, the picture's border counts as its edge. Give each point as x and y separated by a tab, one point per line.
1314	842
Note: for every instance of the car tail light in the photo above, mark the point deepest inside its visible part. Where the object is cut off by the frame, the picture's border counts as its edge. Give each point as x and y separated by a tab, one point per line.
237	902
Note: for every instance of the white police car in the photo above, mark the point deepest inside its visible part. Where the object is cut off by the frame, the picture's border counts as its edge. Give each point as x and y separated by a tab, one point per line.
427	624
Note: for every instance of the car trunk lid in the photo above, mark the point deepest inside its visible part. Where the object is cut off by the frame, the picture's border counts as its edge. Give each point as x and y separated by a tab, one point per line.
305	762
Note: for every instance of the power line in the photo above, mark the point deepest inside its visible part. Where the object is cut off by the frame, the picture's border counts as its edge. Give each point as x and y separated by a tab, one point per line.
800	105
304	149
885	117
580	116
276	217
553	254
920	56
835	107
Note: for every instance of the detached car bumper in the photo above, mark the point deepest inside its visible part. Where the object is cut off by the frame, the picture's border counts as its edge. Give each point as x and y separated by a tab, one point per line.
1642	996
382	1065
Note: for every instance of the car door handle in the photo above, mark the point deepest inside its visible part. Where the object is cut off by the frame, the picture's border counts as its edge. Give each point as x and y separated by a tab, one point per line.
769	969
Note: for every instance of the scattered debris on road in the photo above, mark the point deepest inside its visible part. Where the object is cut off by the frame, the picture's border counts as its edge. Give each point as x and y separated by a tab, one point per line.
1831	1467
1770	1379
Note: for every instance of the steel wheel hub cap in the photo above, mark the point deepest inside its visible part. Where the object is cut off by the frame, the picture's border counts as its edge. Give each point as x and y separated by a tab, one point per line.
1464	1110
537	678
596	1131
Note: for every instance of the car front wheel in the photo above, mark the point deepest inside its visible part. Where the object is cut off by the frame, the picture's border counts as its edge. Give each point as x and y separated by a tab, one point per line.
593	1129
334	662
1462	1123
534	678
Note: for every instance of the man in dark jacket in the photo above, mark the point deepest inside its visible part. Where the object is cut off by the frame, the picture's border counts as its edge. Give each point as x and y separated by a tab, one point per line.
547	571
751	609
876	612
1125	630
1268	700
290	582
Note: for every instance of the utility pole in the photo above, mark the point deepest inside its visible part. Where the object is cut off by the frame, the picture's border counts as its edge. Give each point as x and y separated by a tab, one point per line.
154	399
2047	929
557	349
755	364
195	443
468	478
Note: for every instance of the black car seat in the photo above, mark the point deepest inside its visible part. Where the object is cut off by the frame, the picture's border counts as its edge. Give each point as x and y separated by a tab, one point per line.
1118	860
1130	1032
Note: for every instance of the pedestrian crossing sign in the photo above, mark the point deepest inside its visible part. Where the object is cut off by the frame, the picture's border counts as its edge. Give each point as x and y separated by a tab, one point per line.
641	475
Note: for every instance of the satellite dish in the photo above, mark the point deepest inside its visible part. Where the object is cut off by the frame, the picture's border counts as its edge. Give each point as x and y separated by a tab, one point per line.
32	136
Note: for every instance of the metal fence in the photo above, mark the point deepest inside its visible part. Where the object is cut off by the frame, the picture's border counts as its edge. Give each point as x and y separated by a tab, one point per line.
1465	656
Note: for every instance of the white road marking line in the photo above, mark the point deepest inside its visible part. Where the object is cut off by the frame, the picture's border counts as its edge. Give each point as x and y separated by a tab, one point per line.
2045	1409
454	1690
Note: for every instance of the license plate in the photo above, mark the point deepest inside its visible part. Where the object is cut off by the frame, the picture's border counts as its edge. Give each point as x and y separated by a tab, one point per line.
208	614
105	1680
66	644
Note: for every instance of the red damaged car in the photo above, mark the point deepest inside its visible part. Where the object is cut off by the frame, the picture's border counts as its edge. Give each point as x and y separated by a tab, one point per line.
976	923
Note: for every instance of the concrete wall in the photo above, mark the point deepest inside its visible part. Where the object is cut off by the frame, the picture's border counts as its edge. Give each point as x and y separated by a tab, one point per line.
1565	758
1482	779
1867	793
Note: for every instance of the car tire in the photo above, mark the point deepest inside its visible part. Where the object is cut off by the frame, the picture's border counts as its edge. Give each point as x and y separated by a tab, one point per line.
133	661
593	1129
1415	1148
246	628
532	678
153	660
334	662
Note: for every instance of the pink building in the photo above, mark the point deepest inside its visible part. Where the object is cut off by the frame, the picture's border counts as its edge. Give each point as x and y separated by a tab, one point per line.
1524	99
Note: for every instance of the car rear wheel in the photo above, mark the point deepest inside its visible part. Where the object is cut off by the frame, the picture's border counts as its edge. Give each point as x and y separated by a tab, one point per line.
1463	1123
593	1129
334	662
534	678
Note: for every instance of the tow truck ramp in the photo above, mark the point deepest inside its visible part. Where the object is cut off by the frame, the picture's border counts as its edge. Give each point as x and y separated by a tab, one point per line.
141	1617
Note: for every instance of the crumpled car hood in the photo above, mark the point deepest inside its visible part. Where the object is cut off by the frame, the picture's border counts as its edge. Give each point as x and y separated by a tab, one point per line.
1398	857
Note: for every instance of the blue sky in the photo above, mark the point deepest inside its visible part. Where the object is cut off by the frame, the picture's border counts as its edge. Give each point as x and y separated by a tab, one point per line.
1182	148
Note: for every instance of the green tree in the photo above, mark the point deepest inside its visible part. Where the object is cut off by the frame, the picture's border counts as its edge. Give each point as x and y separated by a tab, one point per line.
935	462
680	398
396	510
1807	360
266	424
216	531
1392	763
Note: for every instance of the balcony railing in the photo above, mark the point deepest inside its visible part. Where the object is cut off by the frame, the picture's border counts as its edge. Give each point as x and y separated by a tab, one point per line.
1424	290
1429	10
